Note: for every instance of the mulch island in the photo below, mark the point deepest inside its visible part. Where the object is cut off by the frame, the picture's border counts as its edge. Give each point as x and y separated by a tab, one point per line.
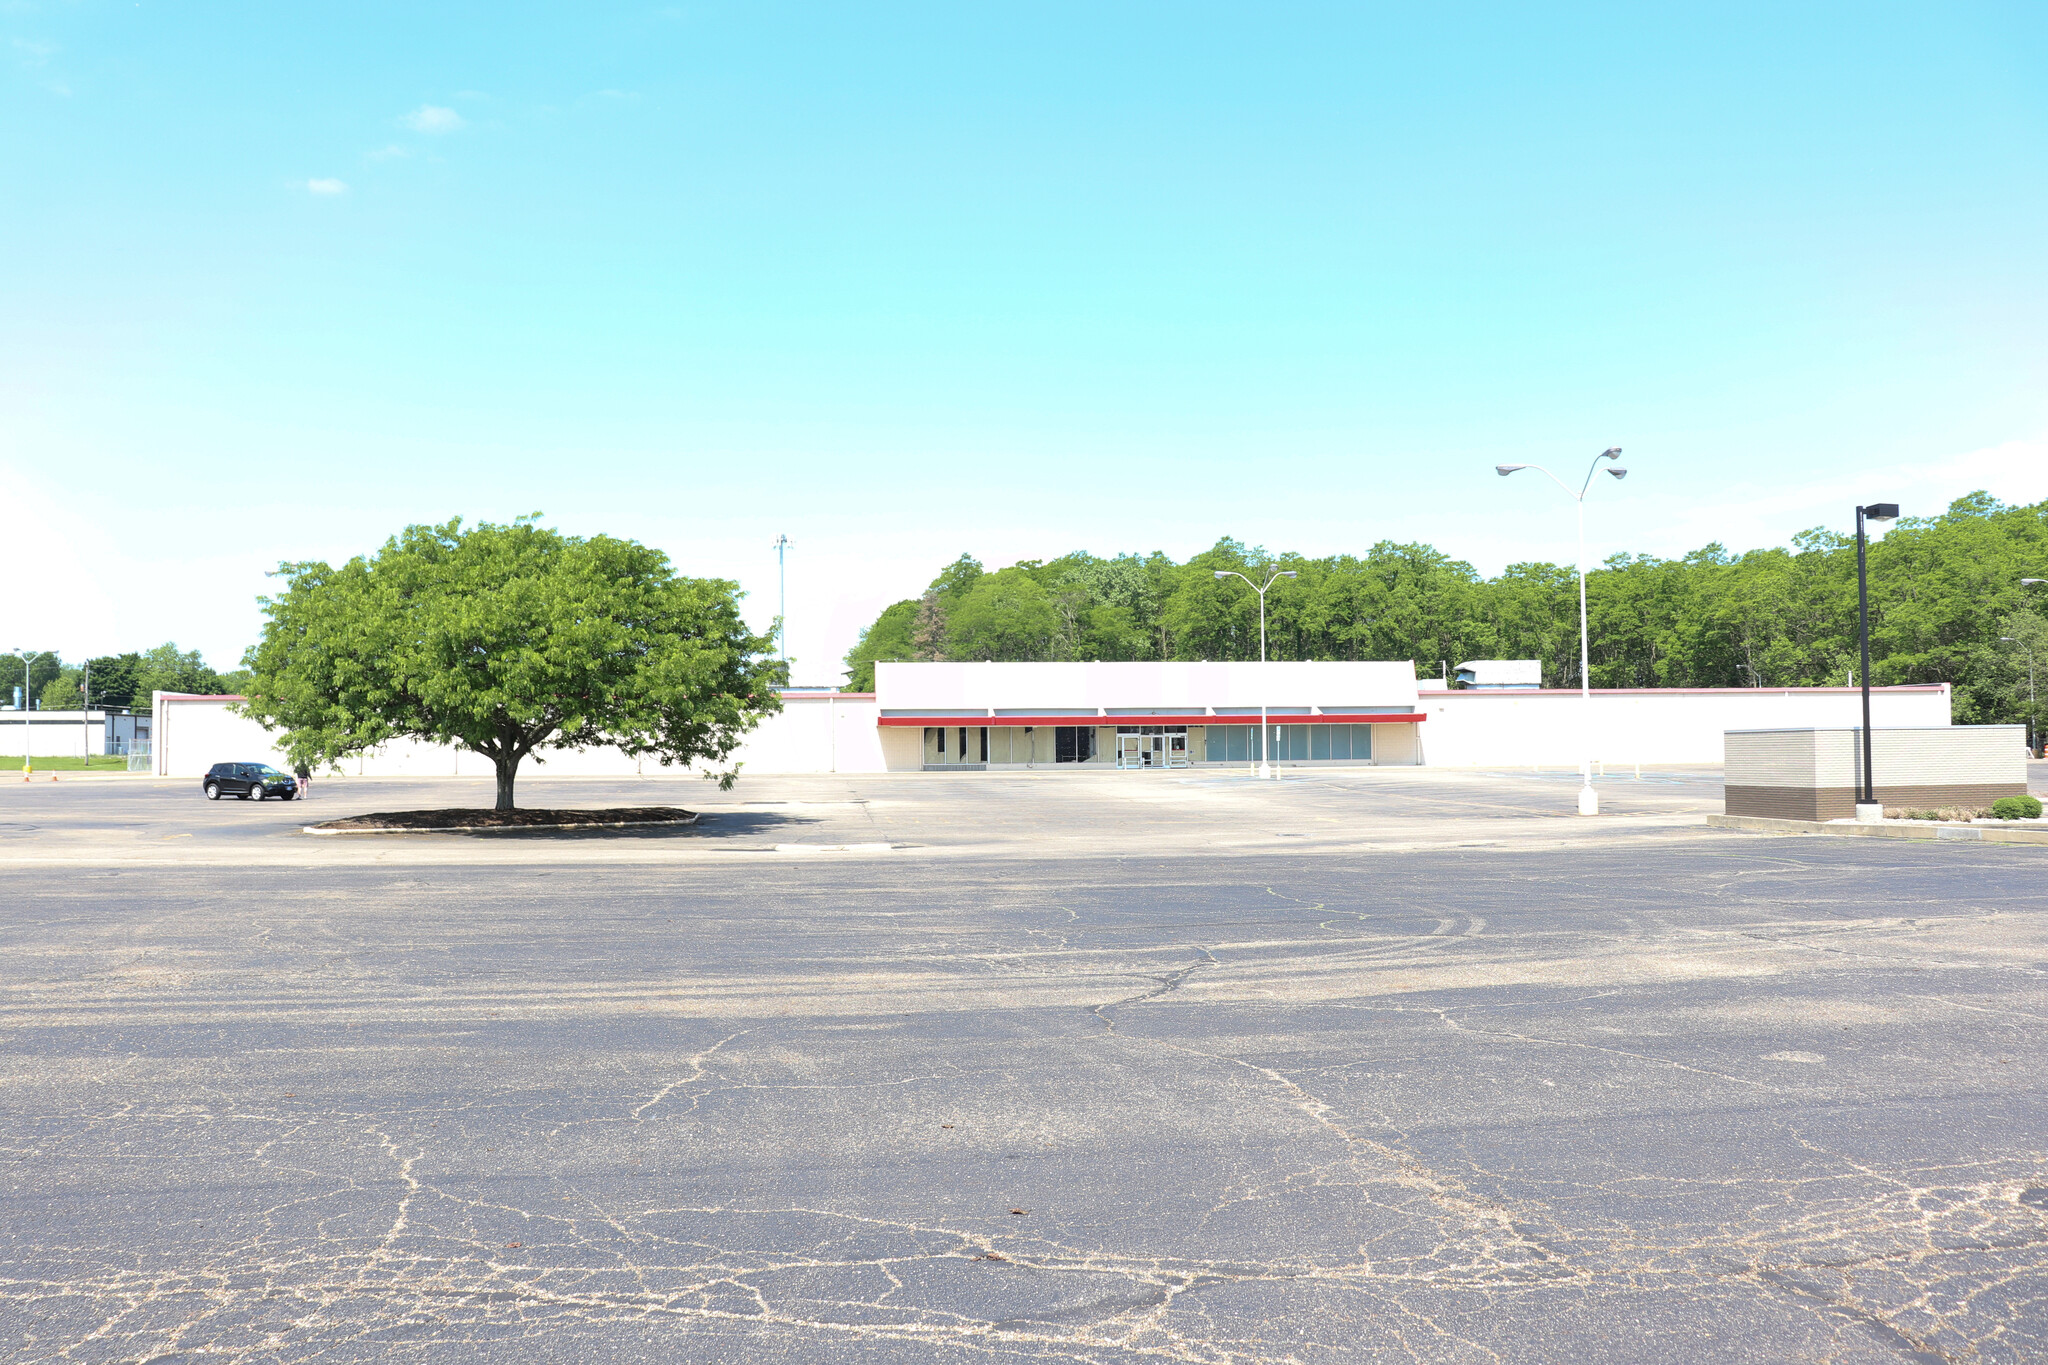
461	818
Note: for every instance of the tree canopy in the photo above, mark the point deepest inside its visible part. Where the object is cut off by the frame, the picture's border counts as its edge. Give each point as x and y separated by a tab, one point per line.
509	641
118	680
1945	590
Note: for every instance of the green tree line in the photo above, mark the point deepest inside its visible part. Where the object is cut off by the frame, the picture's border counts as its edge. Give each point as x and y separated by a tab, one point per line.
116	680
1945	592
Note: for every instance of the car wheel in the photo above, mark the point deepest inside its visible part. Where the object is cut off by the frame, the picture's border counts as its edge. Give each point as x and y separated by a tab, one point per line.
212	792
248	792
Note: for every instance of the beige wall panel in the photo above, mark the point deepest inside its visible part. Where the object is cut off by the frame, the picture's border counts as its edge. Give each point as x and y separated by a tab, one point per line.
1393	745
902	748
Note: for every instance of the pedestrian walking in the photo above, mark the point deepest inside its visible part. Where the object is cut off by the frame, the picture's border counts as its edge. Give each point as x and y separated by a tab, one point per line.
305	776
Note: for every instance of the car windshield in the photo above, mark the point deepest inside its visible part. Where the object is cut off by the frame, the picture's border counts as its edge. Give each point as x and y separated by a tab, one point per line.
267	770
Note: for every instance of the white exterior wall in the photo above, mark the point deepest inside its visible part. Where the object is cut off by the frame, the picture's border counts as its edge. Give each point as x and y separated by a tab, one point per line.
191	734
53	734
1037	688
194	733
1506	729
814	734
817	734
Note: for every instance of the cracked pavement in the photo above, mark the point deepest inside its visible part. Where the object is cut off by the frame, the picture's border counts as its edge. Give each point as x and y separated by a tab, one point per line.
1129	1077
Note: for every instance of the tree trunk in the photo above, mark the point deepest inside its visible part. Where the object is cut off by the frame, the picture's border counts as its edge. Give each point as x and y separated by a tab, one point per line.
508	768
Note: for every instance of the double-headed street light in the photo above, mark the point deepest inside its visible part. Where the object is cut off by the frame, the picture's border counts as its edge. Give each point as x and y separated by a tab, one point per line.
2014	640
1265	740
28	705
1866	800
2033	725
1589	800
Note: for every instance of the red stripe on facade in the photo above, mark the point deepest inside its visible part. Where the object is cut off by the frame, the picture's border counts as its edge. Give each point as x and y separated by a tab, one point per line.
1096	722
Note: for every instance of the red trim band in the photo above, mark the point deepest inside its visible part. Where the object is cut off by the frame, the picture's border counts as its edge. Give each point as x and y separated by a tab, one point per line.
1100	722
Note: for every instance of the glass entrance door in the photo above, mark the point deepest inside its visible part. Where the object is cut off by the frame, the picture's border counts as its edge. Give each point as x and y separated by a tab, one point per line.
1150	746
1152	751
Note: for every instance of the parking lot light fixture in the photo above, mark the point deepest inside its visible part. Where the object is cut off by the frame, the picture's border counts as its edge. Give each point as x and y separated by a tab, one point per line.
1265	739
1589	800
28	706
1866	801
2033	727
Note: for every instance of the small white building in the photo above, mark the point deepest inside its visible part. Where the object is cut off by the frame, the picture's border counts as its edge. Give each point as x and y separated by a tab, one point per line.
68	734
1495	673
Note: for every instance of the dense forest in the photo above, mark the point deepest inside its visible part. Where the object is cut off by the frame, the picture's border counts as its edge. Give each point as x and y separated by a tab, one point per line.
1944	592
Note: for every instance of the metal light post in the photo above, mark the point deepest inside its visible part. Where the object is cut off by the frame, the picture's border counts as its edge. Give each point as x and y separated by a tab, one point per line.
1589	800
782	601
28	706
2031	726
2033	723
1866	800
1265	740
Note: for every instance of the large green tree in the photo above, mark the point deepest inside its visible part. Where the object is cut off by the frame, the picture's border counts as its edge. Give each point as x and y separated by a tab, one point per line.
509	641
1944	590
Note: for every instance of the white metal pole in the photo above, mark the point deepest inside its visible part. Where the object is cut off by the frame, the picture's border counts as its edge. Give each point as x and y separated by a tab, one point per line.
1589	800
1265	730
782	600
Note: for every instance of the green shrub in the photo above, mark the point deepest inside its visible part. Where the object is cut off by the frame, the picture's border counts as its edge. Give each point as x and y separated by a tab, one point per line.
2017	808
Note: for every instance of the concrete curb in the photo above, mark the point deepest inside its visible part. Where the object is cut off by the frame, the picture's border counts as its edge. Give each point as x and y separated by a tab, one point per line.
1919	829
510	829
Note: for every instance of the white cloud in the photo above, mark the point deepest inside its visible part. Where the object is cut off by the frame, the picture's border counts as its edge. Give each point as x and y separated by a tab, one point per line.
326	186
433	118
390	153
31	53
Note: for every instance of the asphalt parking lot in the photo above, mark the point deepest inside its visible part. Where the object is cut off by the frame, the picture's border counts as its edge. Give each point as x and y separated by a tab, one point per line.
1361	1067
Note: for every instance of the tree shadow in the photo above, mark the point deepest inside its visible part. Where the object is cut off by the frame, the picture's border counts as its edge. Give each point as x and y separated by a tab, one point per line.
714	827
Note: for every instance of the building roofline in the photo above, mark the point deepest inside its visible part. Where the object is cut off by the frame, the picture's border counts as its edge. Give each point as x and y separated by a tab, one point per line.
1683	691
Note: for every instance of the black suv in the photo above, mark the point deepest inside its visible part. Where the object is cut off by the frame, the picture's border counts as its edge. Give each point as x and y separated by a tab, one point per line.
248	779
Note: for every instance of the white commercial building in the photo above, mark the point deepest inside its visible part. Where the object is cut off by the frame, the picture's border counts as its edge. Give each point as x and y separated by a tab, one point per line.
983	716
1144	715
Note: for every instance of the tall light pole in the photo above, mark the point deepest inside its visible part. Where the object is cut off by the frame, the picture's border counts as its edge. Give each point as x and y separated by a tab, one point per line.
28	706
1589	800
2033	724
782	602
1265	740
1866	800
2031	727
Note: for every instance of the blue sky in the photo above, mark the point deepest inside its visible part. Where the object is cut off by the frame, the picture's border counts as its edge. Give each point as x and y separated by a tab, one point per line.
906	281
